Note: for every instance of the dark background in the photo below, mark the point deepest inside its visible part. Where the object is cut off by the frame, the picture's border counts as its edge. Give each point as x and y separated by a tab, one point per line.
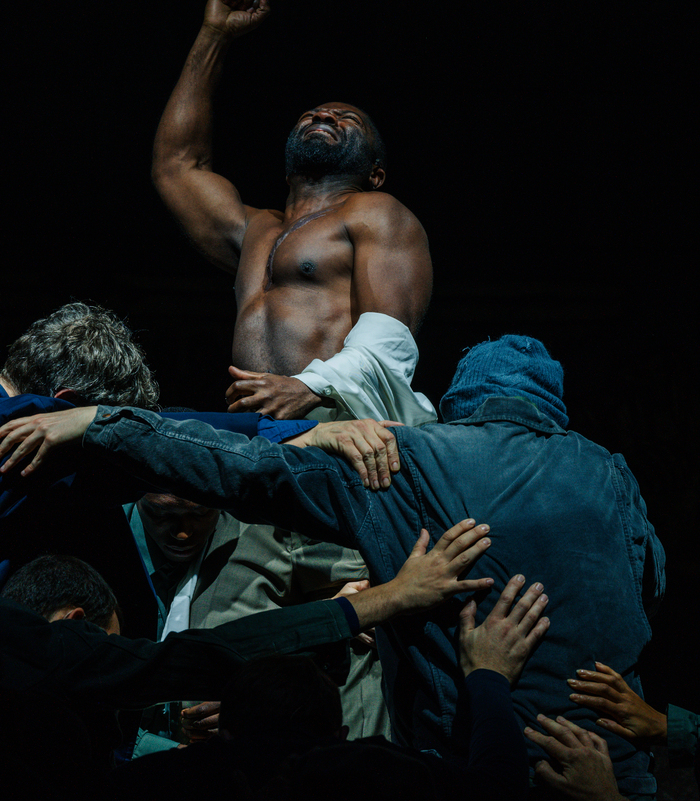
546	149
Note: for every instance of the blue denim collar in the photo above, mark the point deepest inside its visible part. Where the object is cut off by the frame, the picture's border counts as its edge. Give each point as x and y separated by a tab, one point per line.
512	410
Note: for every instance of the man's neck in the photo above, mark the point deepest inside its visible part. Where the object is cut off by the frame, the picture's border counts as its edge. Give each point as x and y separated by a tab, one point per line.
7	386
308	194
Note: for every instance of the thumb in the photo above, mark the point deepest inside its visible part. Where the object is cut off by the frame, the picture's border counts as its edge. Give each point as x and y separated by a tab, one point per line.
421	545
545	771
467	618
241	375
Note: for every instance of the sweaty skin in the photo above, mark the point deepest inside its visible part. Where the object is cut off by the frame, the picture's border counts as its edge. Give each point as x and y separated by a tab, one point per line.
305	274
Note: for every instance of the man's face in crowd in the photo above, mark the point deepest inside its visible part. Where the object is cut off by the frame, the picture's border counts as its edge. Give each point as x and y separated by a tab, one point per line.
332	139
178	527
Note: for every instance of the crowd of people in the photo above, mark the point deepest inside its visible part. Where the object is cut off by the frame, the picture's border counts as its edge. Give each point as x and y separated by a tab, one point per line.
304	563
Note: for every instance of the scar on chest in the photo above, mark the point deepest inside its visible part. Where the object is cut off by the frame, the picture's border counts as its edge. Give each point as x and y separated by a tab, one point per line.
307	268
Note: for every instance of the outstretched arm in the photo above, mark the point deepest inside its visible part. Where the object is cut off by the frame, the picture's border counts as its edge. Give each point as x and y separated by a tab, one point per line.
208	206
369	446
427	578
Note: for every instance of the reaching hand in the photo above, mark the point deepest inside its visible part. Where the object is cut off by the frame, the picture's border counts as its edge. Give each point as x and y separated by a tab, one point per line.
505	640
607	693
201	721
235	17
280	396
428	579
586	771
366	444
47	432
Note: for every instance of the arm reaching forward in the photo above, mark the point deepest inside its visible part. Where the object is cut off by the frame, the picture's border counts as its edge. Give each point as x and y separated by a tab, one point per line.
368	445
208	206
427	578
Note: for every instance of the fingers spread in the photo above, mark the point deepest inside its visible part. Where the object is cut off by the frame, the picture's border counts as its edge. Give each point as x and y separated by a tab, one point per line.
600	689
510	591
550	745
558	729
529	608
581	734
454	533
594	702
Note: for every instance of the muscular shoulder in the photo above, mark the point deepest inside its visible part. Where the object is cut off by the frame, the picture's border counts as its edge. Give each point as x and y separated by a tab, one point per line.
392	271
383	215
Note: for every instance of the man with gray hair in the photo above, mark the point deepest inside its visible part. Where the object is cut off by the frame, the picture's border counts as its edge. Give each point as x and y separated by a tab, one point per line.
81	354
77	355
562	510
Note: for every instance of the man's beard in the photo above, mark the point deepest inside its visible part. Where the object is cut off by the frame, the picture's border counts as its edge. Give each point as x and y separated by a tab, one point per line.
318	157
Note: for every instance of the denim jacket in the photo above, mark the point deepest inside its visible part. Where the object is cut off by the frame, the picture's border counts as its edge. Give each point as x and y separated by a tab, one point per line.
562	511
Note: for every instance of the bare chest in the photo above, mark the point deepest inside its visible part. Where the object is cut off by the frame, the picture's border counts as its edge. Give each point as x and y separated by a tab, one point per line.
310	253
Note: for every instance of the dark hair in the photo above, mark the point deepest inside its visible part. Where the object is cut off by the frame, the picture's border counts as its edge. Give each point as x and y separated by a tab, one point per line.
54	582
281	692
84	348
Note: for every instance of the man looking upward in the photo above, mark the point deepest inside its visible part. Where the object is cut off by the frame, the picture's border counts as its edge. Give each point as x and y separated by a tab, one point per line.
341	259
328	292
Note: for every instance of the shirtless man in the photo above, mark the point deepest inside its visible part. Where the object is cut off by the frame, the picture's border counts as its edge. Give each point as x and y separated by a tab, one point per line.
304	275
328	293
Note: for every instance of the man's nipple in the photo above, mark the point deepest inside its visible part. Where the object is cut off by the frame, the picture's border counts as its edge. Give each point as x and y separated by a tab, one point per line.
308	268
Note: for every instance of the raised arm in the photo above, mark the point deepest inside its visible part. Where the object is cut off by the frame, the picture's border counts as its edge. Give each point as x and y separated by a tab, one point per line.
206	204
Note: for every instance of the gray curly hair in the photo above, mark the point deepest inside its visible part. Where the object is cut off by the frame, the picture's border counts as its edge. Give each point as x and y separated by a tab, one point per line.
84	348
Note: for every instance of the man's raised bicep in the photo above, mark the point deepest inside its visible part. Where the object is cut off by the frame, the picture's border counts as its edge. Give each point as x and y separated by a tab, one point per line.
392	270
210	210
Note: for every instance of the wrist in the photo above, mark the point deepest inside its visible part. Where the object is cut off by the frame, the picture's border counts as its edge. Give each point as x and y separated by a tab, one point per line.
659	734
212	35
376	605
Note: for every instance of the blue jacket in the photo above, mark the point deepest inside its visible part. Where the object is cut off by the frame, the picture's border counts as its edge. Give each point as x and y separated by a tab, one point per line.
562	511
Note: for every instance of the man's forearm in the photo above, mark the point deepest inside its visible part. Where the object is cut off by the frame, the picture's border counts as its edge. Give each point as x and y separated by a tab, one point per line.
376	605
184	133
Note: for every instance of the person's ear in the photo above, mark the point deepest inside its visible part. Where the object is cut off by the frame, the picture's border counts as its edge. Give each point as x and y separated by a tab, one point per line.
377	176
75	614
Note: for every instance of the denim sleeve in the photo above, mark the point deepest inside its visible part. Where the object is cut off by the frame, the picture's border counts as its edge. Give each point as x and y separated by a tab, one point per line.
683	735
246	423
301	489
